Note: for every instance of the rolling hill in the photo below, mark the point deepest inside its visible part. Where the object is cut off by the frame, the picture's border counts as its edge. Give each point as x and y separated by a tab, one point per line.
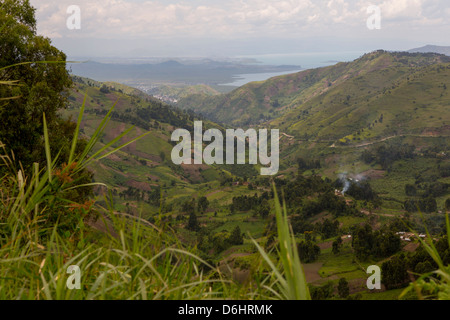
142	174
333	115
384	94
259	102
382	119
145	165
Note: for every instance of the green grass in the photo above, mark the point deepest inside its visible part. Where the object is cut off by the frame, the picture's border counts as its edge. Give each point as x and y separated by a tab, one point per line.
255	229
290	277
134	260
339	264
348	221
393	184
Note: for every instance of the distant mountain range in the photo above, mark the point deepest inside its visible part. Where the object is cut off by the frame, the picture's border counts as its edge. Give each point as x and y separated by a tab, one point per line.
431	48
173	72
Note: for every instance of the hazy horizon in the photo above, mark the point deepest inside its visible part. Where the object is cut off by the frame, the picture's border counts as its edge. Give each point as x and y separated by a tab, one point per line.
201	28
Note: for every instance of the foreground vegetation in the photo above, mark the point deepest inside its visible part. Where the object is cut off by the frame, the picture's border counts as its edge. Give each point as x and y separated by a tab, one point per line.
131	259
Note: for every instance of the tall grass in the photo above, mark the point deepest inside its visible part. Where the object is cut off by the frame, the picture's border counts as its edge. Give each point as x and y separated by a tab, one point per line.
289	276
139	264
133	259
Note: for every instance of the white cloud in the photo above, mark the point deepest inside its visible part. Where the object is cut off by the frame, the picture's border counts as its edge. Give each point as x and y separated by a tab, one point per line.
402	9
236	19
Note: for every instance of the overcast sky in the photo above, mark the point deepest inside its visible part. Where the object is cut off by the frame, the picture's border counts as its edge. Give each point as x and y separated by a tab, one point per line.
131	28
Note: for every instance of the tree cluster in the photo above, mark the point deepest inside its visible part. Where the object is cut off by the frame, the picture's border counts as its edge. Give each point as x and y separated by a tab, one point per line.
426	205
378	244
395	271
304	164
308	251
386	154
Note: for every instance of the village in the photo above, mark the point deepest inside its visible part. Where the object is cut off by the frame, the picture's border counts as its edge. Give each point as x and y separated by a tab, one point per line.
404	236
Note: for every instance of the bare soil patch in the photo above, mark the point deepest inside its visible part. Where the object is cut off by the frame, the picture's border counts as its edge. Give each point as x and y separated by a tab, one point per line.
139	185
374	174
411	247
312	271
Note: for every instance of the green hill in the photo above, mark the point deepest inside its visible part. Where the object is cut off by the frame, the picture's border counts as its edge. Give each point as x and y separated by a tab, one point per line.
183	91
391	94
144	168
339	117
258	102
382	119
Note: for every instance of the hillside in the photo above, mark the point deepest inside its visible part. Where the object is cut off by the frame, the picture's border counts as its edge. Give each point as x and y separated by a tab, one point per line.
258	102
397	101
394	153
383	95
145	168
171	94
342	112
380	99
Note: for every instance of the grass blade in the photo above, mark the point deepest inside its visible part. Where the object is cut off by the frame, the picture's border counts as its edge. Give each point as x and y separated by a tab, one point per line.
47	151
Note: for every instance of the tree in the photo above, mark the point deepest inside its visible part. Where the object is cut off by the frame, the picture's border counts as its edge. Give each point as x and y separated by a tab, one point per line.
362	241
386	243
426	205
329	229
104	89
162	155
203	204
394	272
410	190
337	244
343	288
188	206
430	204
424	267
264	208
236	237
43	87
380	243
323	292
193	224
308	251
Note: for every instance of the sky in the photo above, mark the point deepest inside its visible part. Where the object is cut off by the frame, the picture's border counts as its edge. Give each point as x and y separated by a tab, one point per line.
228	28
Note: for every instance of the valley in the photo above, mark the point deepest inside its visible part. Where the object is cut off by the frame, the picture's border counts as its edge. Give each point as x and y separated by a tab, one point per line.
224	155
379	124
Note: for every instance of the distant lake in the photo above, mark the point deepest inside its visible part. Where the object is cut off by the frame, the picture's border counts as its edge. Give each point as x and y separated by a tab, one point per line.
305	60
242	79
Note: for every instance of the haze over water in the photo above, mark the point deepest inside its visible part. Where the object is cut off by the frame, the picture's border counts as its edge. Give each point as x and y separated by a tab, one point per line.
303	60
